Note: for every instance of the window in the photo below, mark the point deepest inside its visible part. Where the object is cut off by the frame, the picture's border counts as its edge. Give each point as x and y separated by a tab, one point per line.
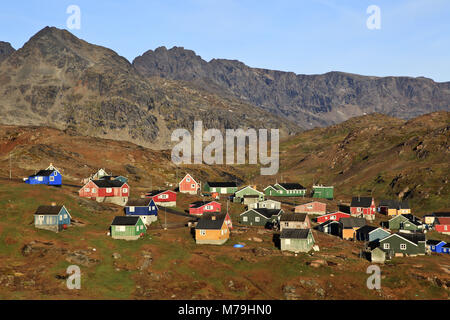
221	232
163	196
142	227
94	190
60	218
358	209
333	217
203	232
286	224
52	178
445	227
403	246
65	216
108	190
245	219
120	228
125	190
213	189
287	241
192	185
40	179
153	208
208	207
309	207
137	228
188	179
257	219
433	247
131	209
386	246
87	189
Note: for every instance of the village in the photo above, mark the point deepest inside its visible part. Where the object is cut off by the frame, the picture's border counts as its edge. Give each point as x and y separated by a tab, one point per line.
387	228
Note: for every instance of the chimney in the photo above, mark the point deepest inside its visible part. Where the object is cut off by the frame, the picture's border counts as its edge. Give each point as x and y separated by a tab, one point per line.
53	204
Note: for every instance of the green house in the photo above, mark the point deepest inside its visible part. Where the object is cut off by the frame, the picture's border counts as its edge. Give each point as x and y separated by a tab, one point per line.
260	217
296	240
248	191
322	192
127	228
220	187
405	222
403	244
285	190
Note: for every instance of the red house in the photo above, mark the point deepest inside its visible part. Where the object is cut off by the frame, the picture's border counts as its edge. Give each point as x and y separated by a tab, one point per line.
201	207
363	207
442	225
334	216
188	185
112	191
164	198
314	207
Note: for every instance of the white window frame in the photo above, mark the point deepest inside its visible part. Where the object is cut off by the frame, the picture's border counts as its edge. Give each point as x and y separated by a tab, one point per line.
209	207
257	219
125	190
403	246
287	241
132	209
163	196
87	190
245	219
386	246
40	179
188	179
108	190
52	178
93	190
203	233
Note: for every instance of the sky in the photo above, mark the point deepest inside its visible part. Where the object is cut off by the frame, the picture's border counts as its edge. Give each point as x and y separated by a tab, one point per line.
301	36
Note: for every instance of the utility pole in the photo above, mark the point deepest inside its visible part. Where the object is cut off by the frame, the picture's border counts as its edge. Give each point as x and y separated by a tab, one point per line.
10	175
165	219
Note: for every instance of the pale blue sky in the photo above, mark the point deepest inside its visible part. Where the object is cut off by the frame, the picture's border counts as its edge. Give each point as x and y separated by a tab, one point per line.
306	37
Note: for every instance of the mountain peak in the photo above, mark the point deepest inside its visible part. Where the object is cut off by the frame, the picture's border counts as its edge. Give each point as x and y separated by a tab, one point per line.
5	50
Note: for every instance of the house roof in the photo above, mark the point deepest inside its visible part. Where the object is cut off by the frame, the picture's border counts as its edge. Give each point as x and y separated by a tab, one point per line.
108	183
443	220
294	233
441	214
431	242
353	222
268	213
300	217
221	184
394	204
291	186
410	217
207	221
48	210
155	192
412	237
363	202
43	173
143	202
344	208
199	204
446	245
366	229
125	221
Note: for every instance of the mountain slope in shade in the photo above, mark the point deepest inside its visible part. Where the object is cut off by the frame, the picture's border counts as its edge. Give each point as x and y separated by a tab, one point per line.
309	100
60	81
5	50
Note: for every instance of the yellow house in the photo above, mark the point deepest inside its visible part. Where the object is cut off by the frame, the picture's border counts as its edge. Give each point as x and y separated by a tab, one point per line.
394	207
350	225
212	228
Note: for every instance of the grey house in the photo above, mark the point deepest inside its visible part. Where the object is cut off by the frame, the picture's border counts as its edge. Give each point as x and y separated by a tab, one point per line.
296	240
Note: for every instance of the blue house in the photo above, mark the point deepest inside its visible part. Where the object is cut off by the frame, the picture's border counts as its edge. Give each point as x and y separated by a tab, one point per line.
50	176
54	218
446	248
145	208
436	246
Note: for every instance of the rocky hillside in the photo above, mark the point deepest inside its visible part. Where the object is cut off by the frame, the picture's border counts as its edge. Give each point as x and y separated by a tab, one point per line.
309	100
374	155
5	50
60	81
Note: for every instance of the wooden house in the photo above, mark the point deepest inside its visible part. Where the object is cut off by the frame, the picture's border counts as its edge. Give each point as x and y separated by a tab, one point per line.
163	198
399	244
362	234
246	192
377	255
313	207
331	227
220	187
406	222
266	204
363	207
442	225
333	216
145	208
188	185
109	191
350	225
294	221
127	228
285	190
370	233
212	228
323	192
296	240
200	207
394	207
435	245
50	176
250	199
53	218
260	217
430	218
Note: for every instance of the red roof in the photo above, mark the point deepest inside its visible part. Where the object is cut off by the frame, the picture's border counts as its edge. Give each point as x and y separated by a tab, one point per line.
444	220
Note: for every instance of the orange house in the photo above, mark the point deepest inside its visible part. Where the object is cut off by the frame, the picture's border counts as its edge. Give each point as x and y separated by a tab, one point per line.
349	227
212	228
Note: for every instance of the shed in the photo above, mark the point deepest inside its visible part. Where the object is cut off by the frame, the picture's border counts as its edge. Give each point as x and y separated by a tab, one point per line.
296	240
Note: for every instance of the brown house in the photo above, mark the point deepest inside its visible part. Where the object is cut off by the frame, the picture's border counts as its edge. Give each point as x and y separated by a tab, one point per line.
294	221
314	207
212	228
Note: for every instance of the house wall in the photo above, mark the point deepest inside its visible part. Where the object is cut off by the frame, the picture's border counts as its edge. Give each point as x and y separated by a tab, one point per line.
329	217
348	234
249	191
312	208
213	236
130	231
442	228
294	225
297	245
395	242
171	201
323	193
252	215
